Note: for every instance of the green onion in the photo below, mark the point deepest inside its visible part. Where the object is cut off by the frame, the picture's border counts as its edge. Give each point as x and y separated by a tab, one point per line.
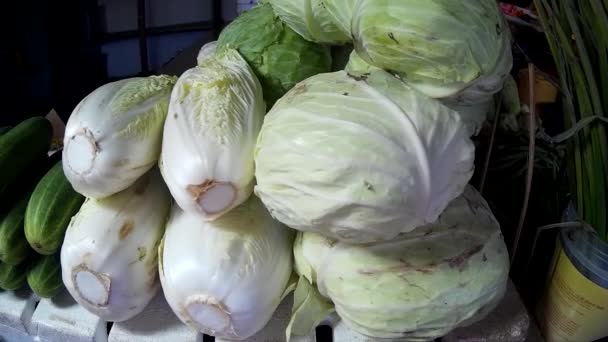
577	32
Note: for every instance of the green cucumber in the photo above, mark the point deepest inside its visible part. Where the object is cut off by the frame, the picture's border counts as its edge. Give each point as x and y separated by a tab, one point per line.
21	148
12	277
25	183
44	277
14	248
50	210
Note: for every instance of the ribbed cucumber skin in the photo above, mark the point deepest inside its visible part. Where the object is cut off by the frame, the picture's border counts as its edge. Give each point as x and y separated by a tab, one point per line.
14	248
44	278
26	182
50	210
12	277
21	147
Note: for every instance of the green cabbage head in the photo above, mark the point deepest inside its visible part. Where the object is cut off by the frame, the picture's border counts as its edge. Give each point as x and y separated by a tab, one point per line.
310	19
279	57
439	46
473	103
360	159
420	285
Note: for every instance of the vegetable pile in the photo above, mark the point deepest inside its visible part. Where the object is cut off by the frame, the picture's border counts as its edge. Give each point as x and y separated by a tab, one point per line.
260	145
35	209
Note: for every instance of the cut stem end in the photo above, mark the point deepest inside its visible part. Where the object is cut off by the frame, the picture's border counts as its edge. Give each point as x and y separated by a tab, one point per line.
214	197
209	315
81	151
92	287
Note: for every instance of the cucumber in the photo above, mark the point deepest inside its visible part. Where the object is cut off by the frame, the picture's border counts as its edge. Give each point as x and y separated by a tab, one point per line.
49	211
14	248
44	277
21	148
25	183
12	277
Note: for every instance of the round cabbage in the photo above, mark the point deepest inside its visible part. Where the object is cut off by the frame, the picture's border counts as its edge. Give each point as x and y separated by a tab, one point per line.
360	159
420	285
279	57
473	103
439	46
309	19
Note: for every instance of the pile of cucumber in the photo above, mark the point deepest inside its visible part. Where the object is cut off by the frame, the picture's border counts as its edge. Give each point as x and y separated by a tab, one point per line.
36	205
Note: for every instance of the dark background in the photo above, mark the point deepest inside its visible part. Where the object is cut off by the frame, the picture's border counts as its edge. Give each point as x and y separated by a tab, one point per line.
53	53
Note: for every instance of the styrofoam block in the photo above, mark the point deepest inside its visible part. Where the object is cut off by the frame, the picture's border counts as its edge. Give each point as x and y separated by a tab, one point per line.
275	329
9	334
508	322
156	323
16	310
62	319
343	333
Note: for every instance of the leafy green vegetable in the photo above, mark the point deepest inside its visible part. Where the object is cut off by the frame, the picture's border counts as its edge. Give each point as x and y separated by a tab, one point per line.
217	109
439	47
279	57
360	158
226	277
114	134
576	32
310	19
420	285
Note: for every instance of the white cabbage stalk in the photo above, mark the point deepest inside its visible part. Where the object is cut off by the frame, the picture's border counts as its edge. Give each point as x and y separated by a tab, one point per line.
360	159
207	51
226	277
420	285
310	19
114	134
109	255
215	114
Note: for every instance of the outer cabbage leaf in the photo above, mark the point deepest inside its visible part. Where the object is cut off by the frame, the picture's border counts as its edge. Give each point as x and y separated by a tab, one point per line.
226	278
439	46
357	66
206	51
309	19
360	158
420	285
473	103
476	101
279	57
216	112
341	13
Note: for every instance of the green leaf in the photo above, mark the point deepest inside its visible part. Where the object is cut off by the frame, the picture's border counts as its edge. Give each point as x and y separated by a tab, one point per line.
309	309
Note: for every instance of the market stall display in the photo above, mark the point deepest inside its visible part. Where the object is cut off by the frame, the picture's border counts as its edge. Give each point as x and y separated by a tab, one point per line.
260	142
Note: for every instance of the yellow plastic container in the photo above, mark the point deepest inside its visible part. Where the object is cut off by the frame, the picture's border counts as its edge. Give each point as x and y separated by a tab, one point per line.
575	304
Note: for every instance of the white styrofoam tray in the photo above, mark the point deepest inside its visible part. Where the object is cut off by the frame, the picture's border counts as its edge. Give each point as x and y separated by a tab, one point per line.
23	317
